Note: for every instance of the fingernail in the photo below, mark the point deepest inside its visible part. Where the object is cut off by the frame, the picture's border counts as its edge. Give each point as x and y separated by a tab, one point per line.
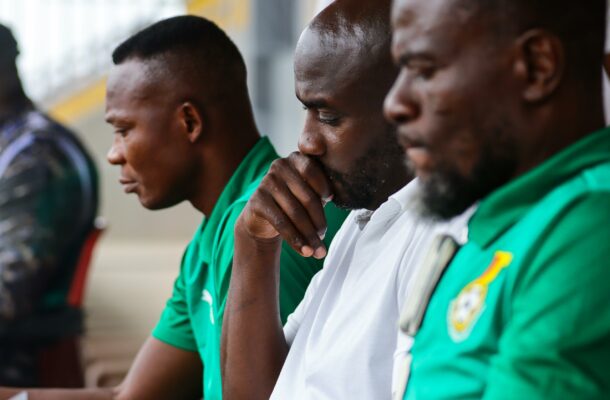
307	251
322	233
327	199
320	253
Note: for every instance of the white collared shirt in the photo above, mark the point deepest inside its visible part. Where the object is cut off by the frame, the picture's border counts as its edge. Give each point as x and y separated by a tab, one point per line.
343	337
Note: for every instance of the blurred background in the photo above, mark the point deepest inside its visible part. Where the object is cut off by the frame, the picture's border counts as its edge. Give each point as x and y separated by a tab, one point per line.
65	55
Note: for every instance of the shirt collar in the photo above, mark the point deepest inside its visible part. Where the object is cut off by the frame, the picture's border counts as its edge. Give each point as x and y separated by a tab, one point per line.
507	204
394	205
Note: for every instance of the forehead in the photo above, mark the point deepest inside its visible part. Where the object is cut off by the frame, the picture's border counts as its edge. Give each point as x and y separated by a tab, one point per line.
328	63
425	18
132	83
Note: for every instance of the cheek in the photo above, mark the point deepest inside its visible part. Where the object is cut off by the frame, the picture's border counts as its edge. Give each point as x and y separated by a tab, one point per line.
140	155
451	127
354	140
338	140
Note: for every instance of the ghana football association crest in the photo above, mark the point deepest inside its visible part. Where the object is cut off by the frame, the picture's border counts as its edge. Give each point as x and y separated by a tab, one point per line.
465	309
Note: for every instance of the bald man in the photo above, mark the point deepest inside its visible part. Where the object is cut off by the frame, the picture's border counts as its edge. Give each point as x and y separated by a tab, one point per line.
341	340
184	131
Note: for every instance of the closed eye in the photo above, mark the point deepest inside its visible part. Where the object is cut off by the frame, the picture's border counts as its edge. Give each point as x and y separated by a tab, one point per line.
421	64
121	131
328	118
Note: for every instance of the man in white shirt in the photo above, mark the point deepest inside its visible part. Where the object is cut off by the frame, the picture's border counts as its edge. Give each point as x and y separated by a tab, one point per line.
341	340
343	335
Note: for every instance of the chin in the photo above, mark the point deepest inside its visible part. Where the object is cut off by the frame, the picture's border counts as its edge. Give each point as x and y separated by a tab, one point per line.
152	203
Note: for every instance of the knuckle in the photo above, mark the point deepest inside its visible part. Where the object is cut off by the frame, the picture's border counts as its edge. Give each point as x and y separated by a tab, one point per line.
311	201
268	186
277	166
294	156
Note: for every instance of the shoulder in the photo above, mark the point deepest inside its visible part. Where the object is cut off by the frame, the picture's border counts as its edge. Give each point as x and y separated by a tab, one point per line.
572	248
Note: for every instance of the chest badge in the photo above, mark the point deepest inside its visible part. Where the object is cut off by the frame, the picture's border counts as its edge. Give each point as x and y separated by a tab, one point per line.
465	309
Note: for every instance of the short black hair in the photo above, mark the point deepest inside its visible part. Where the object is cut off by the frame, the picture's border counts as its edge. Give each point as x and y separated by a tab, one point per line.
187	37
8	45
581	25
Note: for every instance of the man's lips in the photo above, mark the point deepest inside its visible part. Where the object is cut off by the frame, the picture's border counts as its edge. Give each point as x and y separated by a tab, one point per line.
410	141
128	185
416	150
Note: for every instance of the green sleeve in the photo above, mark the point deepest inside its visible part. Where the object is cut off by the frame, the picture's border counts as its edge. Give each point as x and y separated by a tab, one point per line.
556	344
174	327
223	257
296	271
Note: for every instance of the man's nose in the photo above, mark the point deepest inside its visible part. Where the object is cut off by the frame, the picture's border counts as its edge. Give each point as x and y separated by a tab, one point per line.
115	153
400	107
311	140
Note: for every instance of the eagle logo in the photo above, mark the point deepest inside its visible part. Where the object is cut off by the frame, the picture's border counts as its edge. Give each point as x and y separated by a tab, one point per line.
465	309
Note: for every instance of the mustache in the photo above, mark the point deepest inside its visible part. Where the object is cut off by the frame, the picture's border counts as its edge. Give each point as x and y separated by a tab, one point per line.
330	173
408	139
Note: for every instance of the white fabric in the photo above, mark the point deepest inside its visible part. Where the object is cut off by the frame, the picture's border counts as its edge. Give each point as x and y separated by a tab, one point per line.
343	335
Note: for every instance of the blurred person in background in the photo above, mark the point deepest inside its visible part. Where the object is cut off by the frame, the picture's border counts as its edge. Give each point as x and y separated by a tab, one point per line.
184	131
48	202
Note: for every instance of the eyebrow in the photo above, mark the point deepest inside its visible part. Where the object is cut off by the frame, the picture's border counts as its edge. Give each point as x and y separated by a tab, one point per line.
314	103
113	118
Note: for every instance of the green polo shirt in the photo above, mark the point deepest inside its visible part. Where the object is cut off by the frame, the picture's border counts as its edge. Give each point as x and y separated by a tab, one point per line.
523	310
192	318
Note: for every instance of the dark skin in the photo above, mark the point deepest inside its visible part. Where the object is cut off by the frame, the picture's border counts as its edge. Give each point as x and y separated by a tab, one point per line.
13	99
344	125
170	149
468	100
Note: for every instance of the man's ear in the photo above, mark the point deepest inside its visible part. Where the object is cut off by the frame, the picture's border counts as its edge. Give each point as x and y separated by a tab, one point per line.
192	121
540	64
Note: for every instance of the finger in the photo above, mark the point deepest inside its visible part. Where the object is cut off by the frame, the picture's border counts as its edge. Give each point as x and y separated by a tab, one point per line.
312	172
264	208
298	215
309	200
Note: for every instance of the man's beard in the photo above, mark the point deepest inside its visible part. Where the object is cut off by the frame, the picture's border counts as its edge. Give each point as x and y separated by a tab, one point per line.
360	187
446	193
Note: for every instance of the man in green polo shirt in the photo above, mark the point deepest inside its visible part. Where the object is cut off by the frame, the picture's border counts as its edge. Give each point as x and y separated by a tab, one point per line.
500	102
184	130
190	58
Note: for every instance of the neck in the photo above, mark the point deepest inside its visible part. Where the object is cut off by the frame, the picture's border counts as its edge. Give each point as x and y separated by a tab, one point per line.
221	156
399	180
563	129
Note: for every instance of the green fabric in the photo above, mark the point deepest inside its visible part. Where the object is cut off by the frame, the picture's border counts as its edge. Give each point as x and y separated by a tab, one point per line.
192	319
522	311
